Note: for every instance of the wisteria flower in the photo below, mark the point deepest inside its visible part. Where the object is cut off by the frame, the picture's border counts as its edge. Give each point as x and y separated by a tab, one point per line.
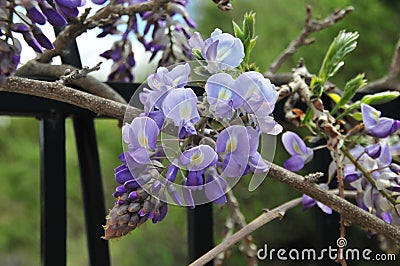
180	105
196	160
161	83
376	125
141	137
222	98
296	147
309	202
238	145
256	91
221	50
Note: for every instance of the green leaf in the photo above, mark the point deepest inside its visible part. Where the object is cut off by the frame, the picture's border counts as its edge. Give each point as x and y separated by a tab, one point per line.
342	45
238	31
381	97
247	36
249	25
350	90
357	116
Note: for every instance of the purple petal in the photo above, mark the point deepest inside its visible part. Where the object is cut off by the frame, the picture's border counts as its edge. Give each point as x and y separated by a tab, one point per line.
258	164
198	158
99	2
180	105
324	208
35	15
54	18
196	41
387	217
42	39
294	163
141	133
385	157
293	143
307	201
215	190
32	42
176	197
370	115
171	173
188	197
373	150
123	175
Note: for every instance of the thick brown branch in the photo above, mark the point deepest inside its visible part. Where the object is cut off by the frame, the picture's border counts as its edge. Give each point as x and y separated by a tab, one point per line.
79	26
310	26
56	91
34	69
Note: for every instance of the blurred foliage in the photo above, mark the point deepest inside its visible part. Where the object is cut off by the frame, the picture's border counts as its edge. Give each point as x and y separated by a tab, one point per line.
278	22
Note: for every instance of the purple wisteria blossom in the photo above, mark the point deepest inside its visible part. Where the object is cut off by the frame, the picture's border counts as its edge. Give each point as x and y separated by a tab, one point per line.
141	137
196	160
259	96
238	145
160	84
221	96
256	91
180	105
376	125
221	50
296	147
309	202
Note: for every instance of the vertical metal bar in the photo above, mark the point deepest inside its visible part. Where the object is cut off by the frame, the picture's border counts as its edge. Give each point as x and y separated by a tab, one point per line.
200	231
53	190
92	189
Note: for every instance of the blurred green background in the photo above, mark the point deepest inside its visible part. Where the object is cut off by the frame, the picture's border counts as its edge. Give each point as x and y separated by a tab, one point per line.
278	22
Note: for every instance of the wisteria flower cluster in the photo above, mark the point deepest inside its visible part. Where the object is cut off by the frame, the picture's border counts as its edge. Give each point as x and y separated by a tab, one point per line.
216	139
160	32
27	23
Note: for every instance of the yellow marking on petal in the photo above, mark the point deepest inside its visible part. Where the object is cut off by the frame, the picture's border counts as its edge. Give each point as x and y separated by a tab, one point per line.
231	145
196	159
143	141
185	110
297	148
375	115
224	94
